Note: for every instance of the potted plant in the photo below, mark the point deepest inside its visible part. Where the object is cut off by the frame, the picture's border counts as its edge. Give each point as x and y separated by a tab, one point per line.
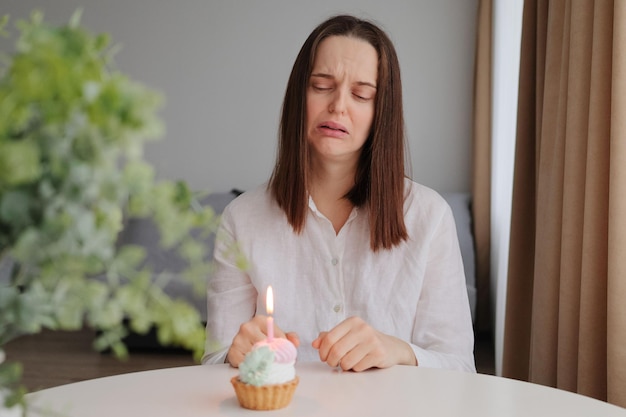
72	131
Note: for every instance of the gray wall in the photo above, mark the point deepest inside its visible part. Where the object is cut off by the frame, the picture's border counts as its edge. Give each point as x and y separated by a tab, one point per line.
223	67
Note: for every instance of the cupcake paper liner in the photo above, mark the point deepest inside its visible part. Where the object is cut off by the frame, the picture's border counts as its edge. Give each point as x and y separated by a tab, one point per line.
267	397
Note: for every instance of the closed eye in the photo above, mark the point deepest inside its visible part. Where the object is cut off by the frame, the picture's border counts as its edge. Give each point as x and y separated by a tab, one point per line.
364	91
362	97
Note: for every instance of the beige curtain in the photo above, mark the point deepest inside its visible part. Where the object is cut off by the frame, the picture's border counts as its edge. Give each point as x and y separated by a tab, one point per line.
481	158
565	320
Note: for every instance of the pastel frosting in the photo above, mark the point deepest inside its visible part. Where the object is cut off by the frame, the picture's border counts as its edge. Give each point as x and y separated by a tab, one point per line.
269	363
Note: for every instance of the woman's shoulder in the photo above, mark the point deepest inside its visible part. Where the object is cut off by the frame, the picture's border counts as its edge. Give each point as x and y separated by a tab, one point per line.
422	195
252	201
423	205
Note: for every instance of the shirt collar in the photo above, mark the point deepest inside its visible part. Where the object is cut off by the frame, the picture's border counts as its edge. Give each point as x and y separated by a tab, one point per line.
318	213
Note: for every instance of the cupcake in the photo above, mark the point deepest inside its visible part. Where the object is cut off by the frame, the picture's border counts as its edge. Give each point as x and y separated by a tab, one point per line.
267	376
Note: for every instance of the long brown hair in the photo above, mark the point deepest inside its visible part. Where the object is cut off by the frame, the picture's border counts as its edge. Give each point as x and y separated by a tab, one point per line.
379	180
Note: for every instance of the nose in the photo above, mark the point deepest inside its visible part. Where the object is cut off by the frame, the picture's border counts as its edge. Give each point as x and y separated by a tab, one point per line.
338	102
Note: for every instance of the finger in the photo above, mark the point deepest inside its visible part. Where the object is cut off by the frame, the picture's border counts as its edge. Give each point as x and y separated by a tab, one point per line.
249	333
253	330
335	344
316	343
358	359
278	332
351	333
259	326
378	351
234	357
238	349
338	351
293	338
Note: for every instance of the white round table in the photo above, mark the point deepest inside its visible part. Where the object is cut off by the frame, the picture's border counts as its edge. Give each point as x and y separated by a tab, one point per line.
398	391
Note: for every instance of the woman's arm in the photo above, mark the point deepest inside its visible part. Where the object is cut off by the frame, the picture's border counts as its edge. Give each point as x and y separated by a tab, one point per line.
231	297
443	335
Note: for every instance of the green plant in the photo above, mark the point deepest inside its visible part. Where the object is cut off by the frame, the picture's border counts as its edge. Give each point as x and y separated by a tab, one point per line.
72	132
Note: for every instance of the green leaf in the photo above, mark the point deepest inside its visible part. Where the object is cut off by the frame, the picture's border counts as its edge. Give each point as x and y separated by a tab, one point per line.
15	208
3	22
27	245
75	19
10	373
196	275
111	338
129	257
19	163
110	315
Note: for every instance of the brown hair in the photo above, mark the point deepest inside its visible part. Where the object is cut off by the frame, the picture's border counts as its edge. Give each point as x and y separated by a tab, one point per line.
379	180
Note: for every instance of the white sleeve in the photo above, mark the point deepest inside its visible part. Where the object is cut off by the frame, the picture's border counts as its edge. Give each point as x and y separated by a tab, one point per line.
443	335
231	297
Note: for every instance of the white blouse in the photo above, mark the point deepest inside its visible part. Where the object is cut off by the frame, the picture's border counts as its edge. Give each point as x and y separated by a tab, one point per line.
415	291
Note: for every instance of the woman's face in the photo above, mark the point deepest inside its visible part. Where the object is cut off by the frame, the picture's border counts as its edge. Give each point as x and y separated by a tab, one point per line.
340	98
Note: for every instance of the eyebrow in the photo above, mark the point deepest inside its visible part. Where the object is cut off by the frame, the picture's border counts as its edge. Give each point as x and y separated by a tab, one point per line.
330	77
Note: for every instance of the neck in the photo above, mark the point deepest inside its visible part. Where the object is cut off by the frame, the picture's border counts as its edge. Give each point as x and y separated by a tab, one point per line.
331	180
328	185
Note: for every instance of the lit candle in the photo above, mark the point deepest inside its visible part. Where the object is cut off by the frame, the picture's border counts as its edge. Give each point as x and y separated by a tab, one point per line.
269	307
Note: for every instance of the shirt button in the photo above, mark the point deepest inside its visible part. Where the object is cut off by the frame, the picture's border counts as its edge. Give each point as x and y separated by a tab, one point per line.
334	261
337	308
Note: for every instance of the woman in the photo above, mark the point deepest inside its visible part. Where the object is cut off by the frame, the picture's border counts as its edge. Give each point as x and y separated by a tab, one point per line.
364	263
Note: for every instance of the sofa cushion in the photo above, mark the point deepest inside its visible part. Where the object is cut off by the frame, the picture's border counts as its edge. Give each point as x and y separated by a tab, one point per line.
460	203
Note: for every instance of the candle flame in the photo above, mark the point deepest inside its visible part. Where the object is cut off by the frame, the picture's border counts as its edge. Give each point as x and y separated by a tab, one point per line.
269	301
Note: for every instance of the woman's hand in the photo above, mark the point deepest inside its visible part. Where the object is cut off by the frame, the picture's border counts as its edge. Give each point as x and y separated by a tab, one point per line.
355	345
251	332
